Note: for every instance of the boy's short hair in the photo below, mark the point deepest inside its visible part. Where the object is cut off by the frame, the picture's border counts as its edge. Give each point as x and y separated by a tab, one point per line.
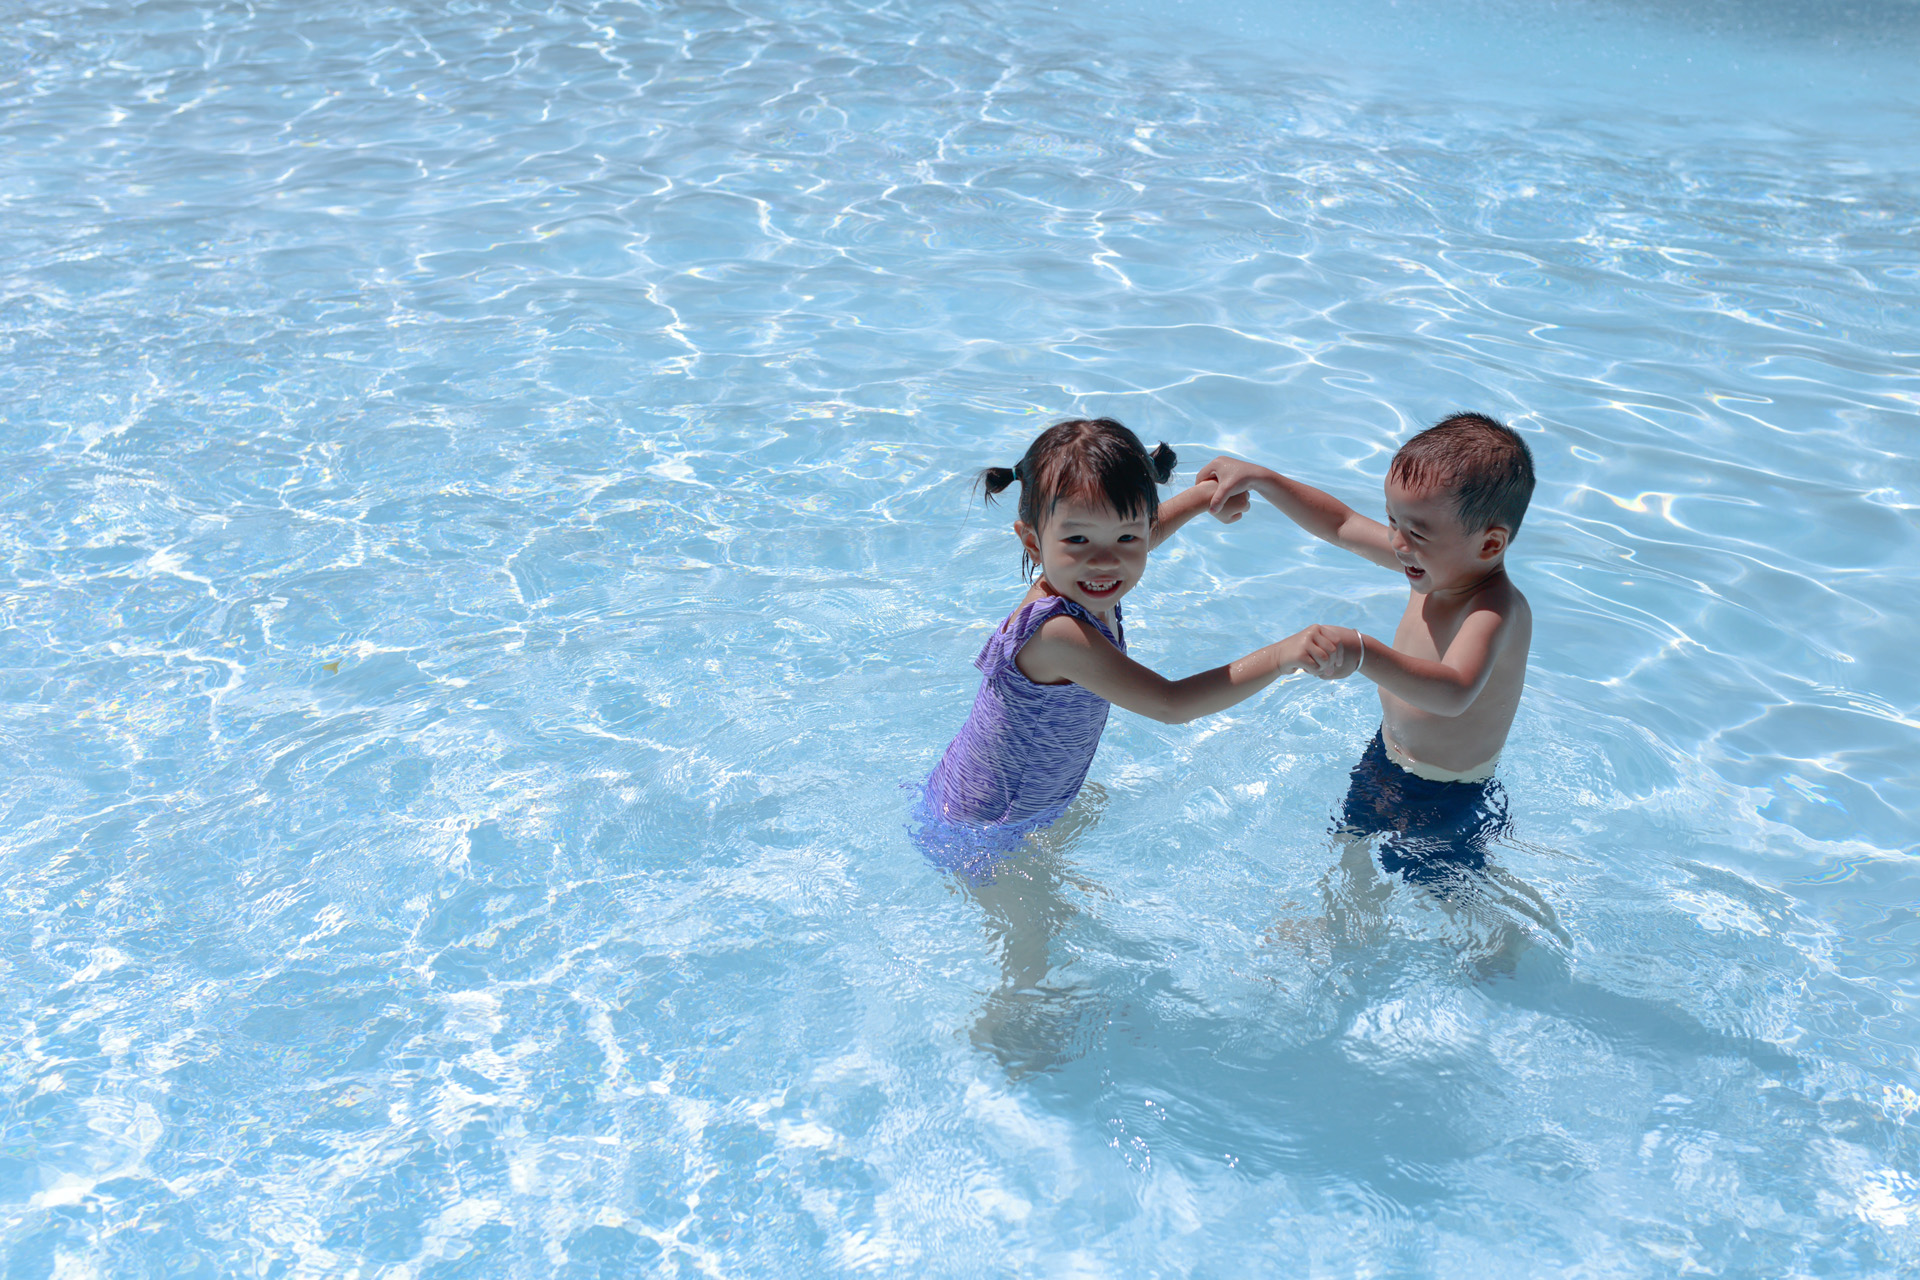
1486	464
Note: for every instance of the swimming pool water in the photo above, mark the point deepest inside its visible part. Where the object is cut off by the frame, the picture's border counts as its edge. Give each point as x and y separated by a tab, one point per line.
487	535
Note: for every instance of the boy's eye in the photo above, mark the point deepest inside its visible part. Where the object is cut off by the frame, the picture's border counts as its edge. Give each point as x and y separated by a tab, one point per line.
1075	537
1129	537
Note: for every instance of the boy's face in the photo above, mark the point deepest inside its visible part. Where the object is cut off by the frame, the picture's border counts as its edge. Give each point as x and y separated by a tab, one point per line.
1086	553
1437	553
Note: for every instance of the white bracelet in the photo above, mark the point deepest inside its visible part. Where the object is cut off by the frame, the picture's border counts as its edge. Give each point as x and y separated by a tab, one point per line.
1361	665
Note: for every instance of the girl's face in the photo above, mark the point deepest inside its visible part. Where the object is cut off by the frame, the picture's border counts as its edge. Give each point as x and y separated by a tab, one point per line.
1088	554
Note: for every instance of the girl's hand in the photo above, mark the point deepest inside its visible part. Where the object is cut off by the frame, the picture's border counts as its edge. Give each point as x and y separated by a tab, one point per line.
1182	507
1234	478
1233	508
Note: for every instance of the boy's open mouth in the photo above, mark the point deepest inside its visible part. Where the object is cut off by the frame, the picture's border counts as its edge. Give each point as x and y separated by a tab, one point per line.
1414	571
1097	587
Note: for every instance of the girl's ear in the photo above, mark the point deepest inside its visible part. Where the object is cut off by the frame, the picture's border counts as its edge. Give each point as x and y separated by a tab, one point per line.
1029	543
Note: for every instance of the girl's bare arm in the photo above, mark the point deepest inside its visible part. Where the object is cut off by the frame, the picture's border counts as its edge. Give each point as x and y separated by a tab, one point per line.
1067	649
1184	506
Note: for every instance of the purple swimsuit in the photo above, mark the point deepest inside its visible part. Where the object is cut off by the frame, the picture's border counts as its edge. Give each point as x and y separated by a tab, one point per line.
1020	758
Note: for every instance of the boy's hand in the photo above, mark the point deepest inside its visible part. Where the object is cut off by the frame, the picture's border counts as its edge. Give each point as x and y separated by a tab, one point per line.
1314	650
1332	653
1347	652
1233	477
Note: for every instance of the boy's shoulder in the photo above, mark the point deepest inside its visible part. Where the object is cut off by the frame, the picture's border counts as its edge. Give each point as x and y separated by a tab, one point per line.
1497	600
1501	591
1501	597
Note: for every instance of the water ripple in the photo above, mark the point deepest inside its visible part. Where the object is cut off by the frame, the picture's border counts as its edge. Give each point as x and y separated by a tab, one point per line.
486	534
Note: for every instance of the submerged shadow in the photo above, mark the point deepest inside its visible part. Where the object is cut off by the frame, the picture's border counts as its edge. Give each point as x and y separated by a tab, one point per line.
1379	1075
1512	943
1495	917
1373	1077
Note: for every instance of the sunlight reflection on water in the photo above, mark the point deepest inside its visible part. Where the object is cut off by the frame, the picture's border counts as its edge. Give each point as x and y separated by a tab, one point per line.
487	537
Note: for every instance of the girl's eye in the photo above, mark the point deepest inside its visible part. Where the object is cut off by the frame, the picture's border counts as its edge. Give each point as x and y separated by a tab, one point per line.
1129	537
1078	537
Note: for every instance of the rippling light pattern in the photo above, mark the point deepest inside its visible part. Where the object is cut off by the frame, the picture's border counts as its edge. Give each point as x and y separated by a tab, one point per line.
487	536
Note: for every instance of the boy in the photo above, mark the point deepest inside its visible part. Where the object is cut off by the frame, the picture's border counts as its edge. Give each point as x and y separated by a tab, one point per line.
1451	681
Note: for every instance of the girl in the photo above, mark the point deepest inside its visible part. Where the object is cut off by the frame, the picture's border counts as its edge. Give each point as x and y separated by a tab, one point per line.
1089	513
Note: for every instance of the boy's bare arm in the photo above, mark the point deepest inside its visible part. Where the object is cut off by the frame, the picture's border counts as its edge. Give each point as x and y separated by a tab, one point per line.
1446	687
1320	514
1184	506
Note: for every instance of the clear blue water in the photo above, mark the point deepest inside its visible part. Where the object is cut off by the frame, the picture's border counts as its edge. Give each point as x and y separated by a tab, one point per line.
486	536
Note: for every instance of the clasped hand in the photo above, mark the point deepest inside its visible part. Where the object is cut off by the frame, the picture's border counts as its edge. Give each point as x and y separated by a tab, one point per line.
1331	653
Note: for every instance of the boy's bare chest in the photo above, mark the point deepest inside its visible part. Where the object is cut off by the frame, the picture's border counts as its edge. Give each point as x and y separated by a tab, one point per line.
1426	629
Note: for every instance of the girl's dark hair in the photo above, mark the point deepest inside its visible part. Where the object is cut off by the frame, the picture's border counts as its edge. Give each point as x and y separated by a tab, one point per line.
1092	460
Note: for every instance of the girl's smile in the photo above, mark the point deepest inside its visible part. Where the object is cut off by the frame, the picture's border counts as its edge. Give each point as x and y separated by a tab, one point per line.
1090	554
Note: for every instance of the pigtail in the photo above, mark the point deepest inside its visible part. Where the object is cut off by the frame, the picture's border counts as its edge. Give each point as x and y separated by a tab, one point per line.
1162	459
996	479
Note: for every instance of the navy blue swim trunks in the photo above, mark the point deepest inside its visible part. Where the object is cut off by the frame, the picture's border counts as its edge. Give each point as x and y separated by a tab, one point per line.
1434	832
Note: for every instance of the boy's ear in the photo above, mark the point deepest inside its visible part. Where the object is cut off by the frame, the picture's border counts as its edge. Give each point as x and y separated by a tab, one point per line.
1494	541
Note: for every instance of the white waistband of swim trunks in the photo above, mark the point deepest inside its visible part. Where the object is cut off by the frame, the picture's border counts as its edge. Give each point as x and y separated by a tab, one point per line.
1433	772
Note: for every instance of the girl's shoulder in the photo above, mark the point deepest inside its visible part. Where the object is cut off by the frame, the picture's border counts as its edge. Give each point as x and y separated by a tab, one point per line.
1036	613
1028	620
